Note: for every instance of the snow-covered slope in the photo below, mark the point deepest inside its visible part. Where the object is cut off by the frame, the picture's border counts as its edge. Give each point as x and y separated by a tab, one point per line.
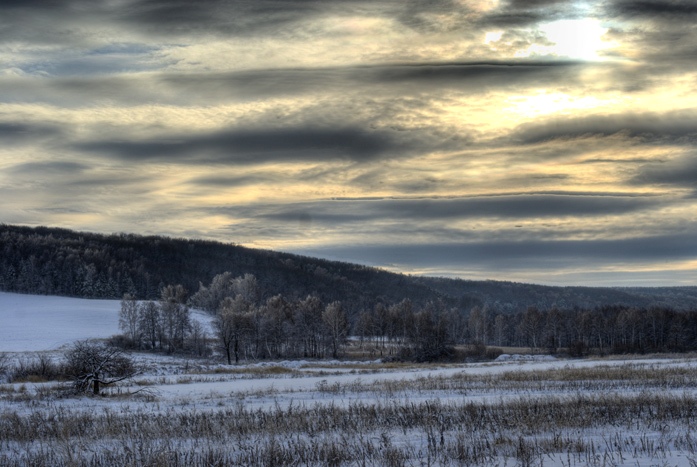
38	322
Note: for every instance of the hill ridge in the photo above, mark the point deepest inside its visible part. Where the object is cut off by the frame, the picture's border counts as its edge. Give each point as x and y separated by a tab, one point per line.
58	261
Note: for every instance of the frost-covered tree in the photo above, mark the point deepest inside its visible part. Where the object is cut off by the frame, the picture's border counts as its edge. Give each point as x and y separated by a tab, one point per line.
337	326
233	325
174	316
93	365
129	318
149	323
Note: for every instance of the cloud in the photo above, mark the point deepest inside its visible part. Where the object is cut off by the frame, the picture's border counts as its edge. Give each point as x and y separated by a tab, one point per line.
254	146
678	127
675	10
525	254
511	207
382	79
236	18
680	172
222	181
57	168
15	132
527	13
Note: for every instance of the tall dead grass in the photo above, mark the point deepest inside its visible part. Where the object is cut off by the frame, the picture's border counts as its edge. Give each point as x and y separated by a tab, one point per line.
525	431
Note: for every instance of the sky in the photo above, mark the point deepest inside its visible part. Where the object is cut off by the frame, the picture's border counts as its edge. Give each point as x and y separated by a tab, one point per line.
543	141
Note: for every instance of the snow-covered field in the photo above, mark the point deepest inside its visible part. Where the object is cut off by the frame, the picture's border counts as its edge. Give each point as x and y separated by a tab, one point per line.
179	411
39	322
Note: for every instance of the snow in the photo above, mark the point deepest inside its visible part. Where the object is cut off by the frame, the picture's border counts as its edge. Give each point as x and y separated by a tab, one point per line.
177	385
524	358
33	323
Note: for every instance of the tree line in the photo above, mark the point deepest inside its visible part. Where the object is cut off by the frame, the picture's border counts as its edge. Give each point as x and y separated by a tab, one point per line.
247	326
52	261
608	329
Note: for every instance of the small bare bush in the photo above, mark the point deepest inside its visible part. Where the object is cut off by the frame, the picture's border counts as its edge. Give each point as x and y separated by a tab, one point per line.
92	365
35	369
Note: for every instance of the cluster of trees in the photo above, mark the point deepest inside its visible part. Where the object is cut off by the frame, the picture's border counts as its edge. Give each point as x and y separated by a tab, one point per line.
249	326
280	329
245	325
607	329
165	324
53	261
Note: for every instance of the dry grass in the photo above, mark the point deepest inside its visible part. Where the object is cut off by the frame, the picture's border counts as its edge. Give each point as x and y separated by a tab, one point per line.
257	371
525	431
601	415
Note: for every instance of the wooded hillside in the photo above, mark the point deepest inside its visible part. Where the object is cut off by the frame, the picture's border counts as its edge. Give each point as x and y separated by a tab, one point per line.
45	260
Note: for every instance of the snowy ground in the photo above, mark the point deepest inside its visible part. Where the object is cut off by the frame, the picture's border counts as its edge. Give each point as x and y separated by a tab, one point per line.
41	323
534	410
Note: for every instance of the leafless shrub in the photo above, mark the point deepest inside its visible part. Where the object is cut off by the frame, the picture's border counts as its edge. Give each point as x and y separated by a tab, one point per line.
4	365
35	369
92	365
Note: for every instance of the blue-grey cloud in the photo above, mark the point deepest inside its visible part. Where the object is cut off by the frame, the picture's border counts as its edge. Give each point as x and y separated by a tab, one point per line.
513	207
672	128
676	10
254	146
524	254
395	80
679	172
56	168
389	79
16	132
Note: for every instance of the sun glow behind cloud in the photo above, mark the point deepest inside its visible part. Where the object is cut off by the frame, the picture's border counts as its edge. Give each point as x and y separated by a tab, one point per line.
581	39
468	131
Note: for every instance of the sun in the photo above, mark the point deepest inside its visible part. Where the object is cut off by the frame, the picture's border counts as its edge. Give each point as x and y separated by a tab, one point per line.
580	39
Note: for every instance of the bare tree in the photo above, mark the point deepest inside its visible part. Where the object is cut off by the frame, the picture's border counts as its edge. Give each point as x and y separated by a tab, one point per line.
198	338
337	325
309	326
92	365
128	318
531	327
248	287
149	322
4	365
232	324
174	316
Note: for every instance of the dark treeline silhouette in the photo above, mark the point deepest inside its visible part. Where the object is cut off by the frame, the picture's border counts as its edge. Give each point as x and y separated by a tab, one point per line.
250	327
54	261
602	330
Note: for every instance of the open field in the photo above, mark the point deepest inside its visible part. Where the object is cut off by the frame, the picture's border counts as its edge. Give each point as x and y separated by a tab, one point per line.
634	411
581	412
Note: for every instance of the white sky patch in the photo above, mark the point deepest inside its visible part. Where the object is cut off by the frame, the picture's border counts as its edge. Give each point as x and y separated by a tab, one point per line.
580	39
544	102
492	36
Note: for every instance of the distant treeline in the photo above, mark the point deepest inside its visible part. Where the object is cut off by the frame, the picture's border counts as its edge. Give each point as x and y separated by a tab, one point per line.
607	329
248	327
53	261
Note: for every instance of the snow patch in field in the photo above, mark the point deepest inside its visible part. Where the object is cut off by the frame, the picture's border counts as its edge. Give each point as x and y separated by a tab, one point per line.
32	323
524	358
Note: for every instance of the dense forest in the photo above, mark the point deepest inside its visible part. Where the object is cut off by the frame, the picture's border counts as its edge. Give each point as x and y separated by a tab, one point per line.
250	328
52	261
277	305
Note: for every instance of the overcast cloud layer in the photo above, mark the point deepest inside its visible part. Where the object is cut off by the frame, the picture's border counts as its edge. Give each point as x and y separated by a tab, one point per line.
544	141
